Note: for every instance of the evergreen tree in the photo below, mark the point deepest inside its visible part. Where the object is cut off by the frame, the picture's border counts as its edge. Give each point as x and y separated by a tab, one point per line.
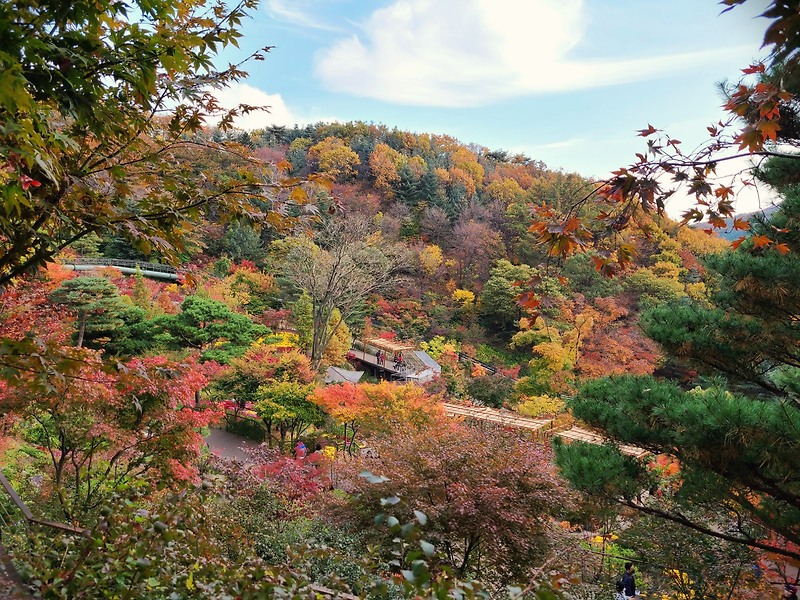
429	191
499	310
737	439
242	242
406	190
96	302
209	326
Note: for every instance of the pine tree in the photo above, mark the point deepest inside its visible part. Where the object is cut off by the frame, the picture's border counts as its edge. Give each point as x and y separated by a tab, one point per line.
96	302
407	188
429	190
736	438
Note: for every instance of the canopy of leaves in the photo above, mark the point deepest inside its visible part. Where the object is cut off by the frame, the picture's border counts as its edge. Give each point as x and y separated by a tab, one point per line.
101	111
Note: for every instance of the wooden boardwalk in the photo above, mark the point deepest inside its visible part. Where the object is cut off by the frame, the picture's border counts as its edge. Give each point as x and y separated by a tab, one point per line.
506	418
584	435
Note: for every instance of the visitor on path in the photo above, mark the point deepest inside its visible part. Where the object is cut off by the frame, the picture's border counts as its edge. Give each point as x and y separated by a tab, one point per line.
300	451
790	592
628	581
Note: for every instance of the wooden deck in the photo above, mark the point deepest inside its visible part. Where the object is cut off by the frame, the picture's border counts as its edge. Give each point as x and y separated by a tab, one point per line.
508	418
584	435
505	418
388	368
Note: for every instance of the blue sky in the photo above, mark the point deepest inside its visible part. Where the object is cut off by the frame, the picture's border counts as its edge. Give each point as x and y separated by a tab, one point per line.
564	81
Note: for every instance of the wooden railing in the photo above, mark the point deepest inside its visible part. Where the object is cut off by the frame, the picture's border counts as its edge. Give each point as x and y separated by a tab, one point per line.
16	520
28	515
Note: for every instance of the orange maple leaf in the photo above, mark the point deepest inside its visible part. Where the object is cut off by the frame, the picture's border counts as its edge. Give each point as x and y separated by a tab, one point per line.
761	241
740	224
756	68
769	130
736	243
782	248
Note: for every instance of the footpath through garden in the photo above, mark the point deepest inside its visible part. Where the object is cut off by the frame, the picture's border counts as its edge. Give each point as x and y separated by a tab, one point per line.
229	445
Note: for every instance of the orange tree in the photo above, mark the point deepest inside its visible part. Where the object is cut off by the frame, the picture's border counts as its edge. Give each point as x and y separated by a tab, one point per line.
377	409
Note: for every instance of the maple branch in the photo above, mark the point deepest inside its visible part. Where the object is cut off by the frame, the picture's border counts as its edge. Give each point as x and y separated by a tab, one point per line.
762	153
681	520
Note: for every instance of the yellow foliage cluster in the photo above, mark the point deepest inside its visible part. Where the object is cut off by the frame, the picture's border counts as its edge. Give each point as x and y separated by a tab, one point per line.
335	158
464	297
430	259
285	339
699	242
668	270
697	291
340	344
225	291
384	163
540	406
505	191
439	345
417	166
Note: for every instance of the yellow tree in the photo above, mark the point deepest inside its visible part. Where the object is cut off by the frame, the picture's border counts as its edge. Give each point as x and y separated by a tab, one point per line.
334	158
430	259
384	163
340	343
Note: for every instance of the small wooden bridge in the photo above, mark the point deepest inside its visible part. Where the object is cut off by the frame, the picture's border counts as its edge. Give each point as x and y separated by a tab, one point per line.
507	418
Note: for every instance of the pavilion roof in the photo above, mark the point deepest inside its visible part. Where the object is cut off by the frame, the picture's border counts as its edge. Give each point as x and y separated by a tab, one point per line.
389	346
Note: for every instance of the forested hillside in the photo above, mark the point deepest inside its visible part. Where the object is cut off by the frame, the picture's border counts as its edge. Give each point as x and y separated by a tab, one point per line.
349	361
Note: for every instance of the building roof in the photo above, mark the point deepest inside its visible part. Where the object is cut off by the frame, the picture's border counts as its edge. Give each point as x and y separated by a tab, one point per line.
337	375
428	361
388	345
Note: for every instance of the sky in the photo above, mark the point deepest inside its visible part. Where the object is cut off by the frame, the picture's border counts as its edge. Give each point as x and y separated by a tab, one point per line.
567	82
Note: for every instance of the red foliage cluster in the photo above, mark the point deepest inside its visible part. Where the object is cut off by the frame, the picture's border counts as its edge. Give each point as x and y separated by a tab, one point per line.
25	308
299	480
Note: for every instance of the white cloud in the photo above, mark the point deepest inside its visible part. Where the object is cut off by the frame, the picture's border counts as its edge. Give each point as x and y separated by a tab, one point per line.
277	114
241	93
278	10
471	52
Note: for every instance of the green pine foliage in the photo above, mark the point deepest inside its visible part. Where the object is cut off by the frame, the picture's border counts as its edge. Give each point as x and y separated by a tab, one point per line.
97	304
739	452
208	326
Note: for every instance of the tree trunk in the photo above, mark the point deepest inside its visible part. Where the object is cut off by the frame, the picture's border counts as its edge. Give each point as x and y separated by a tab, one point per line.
81	328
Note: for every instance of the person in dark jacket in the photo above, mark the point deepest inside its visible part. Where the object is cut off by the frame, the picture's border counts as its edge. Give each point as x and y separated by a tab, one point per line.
628	581
790	592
